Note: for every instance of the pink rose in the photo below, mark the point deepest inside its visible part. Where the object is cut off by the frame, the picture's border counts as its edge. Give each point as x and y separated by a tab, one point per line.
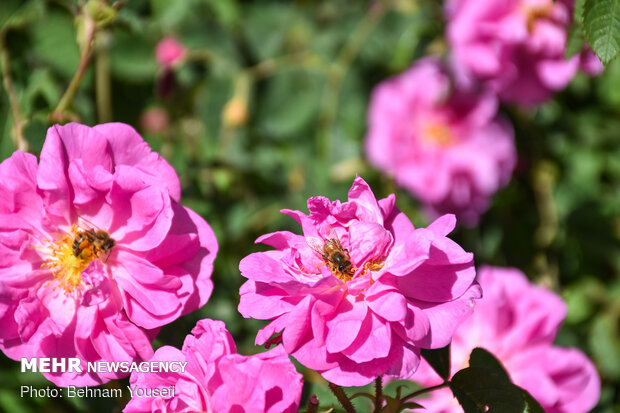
96	253
516	46
517	322
216	379
447	146
169	52
361	291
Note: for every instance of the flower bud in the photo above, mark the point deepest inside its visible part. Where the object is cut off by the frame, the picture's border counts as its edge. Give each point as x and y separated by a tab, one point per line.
100	11
235	112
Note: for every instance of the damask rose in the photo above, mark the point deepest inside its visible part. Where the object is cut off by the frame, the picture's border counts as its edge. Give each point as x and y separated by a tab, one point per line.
361	291
96	253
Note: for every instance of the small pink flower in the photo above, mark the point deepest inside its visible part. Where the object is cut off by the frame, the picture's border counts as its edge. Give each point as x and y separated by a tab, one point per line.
361	291
446	146
155	120
516	46
69	290
216	379
169	52
517	322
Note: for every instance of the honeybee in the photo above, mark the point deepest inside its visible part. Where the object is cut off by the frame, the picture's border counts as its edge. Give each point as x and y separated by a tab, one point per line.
92	242
336	258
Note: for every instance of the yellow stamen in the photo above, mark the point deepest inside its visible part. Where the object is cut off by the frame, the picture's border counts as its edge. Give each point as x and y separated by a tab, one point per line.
374	265
534	13
438	133
65	266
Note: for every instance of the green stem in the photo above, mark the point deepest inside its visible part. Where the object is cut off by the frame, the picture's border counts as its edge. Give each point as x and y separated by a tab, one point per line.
7	81
90	29
543	180
202	55
268	67
103	89
378	395
422	391
342	398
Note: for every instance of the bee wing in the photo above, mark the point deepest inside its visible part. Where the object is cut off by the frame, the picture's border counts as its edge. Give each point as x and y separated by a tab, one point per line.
316	244
331	234
82	221
103	256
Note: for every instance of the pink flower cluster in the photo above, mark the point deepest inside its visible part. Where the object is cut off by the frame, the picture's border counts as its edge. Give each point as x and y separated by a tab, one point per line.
96	253
442	139
361	291
517	47
517	322
445	145
216	379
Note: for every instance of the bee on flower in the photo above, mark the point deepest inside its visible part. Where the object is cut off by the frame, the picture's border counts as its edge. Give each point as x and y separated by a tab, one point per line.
96	251
361	291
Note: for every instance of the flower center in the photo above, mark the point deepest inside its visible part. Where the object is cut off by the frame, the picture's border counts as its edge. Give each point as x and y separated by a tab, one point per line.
374	265
69	257
437	134
535	13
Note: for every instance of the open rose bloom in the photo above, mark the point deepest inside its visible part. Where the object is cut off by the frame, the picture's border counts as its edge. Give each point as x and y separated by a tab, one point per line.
517	322
217	379
96	253
361	291
445	145
517	47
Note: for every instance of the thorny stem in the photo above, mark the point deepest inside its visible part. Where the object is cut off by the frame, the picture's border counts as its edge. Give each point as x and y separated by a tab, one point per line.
313	404
422	391
7	82
342	398
87	51
378	394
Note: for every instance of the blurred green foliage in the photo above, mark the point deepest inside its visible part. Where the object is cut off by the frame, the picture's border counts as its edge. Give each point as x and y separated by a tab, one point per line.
301	74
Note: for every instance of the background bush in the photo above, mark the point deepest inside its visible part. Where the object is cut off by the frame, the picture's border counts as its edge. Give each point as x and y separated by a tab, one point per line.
305	70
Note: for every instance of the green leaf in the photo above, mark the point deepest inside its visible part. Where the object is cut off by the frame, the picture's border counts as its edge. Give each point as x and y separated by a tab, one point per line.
42	87
227	12
486	387
481	390
11	402
439	359
393	405
479	357
578	12
608	85
54	43
575	41
601	24
531	405
409	405
34	132
132	58
171	14
17	13
396	387
605	343
282	113
363	394
265	26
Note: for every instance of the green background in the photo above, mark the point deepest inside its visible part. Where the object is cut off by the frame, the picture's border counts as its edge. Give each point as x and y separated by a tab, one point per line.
306	70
